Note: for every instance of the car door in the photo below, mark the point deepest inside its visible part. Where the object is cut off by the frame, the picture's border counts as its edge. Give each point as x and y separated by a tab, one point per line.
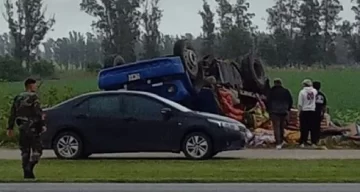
147	127
102	123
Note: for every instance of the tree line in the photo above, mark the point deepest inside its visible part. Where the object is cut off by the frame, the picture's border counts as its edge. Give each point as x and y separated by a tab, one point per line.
302	32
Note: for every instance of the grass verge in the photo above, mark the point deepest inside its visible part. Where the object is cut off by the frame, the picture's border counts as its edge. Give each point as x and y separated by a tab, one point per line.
183	171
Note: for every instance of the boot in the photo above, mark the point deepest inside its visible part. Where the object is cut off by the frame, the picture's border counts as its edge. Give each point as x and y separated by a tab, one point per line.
31	172
28	172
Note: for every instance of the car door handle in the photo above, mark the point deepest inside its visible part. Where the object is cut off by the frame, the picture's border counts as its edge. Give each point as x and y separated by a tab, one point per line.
82	116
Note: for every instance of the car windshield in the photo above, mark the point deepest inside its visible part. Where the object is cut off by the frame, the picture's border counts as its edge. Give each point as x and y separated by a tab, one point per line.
172	103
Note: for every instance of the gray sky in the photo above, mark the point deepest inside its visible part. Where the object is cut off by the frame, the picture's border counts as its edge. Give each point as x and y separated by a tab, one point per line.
180	16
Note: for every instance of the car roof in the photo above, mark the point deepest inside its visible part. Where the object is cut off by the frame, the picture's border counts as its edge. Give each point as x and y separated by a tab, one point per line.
152	95
94	93
155	96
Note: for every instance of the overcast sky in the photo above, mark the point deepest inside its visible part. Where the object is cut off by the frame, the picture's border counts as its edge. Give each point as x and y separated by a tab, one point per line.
180	16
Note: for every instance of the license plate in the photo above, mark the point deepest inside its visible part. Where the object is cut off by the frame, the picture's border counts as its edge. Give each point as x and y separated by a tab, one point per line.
134	77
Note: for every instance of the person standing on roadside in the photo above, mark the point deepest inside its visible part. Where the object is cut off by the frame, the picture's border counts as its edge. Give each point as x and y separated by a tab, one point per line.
307	113
27	115
321	103
279	103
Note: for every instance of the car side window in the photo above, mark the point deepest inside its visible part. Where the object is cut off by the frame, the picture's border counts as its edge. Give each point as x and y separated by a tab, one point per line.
104	106
142	108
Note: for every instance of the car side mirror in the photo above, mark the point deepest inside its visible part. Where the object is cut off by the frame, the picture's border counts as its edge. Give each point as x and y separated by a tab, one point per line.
166	112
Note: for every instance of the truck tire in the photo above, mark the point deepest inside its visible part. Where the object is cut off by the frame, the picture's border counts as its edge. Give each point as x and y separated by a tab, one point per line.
118	60
113	60
184	49
253	73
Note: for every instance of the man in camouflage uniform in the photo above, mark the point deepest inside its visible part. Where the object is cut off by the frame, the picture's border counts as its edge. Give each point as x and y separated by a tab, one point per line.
27	115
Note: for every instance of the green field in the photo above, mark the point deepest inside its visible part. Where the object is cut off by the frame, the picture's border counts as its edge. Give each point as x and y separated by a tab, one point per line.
180	171
340	86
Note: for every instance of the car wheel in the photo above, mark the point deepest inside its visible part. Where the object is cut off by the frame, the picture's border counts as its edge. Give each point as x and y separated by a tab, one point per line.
197	146
68	145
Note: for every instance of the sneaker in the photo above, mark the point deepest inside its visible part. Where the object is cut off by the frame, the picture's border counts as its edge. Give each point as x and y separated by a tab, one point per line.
302	146
278	147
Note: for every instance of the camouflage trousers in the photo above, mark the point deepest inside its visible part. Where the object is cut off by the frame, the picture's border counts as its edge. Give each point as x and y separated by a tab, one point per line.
30	147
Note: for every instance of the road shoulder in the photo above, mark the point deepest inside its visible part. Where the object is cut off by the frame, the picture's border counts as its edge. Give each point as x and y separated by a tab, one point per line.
13	154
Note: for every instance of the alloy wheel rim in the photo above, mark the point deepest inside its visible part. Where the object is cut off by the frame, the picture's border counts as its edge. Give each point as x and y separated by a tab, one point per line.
68	146
197	146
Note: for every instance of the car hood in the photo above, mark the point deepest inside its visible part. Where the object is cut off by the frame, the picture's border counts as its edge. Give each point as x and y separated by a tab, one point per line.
218	117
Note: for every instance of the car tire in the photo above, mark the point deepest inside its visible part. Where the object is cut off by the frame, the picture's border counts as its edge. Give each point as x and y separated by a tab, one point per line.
187	53
197	146
68	145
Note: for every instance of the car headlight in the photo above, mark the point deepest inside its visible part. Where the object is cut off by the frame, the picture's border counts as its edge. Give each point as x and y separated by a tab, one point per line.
226	125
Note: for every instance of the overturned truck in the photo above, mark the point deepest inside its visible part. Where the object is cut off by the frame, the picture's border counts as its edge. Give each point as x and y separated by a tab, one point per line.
204	84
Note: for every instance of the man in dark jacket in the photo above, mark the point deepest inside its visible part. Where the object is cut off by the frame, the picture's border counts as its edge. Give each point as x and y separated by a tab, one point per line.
279	103
320	110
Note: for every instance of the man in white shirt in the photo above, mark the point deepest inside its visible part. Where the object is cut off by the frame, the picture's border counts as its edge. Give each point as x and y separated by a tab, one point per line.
307	110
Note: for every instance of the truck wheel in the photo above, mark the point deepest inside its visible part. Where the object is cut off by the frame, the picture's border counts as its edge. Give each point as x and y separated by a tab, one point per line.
187	53
113	60
118	60
252	70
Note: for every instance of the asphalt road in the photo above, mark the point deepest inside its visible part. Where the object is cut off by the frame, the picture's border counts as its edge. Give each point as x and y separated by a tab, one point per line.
249	187
243	154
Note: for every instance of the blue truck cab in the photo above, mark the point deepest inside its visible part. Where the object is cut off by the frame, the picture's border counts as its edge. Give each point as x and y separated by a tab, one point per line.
164	76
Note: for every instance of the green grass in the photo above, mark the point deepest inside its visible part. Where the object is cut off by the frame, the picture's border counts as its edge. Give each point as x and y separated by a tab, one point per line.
340	86
78	85
187	171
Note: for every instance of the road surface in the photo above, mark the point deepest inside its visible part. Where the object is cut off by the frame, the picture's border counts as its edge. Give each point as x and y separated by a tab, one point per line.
243	154
263	187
